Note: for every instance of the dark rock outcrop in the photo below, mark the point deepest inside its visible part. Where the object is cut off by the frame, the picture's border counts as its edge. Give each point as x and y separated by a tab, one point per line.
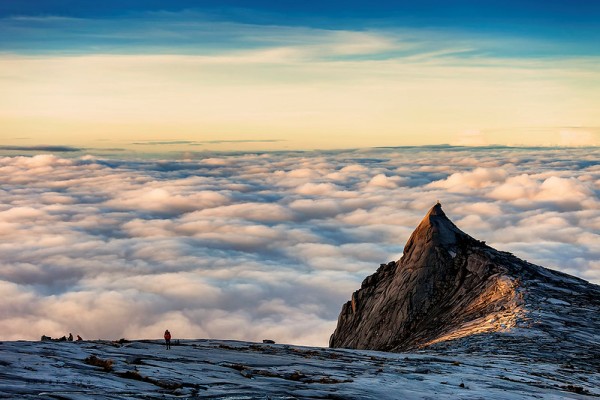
449	286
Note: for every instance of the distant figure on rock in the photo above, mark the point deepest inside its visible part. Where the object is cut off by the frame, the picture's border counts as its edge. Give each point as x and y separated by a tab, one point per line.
168	339
70	339
79	339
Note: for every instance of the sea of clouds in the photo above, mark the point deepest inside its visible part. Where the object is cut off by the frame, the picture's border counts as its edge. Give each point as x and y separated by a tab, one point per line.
255	246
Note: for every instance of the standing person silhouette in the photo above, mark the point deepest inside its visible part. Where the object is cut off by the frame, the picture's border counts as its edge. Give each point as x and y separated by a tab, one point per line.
168	339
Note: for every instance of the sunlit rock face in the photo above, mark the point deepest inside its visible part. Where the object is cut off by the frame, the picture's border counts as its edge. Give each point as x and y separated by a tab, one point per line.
449	286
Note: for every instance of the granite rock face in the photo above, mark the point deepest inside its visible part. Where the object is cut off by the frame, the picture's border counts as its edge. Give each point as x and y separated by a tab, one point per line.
451	288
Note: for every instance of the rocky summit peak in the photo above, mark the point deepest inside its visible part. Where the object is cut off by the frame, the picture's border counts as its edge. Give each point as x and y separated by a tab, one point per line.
436	210
435	219
449	287
435	229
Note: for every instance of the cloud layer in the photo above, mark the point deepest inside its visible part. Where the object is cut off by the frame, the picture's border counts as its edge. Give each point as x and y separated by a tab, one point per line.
254	246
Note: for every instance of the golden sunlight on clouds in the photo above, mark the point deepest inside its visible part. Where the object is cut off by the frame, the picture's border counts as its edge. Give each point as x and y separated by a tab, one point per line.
302	102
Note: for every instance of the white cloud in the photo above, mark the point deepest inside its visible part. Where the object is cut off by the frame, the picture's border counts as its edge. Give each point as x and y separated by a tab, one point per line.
383	181
321	208
263	246
316	188
563	191
158	199
478	178
16	214
251	211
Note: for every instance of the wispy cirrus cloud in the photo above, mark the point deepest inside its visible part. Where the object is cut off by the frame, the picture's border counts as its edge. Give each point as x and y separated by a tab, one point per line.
202	142
48	148
165	142
217	141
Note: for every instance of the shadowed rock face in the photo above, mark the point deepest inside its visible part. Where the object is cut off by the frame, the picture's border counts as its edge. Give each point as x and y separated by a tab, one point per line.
448	286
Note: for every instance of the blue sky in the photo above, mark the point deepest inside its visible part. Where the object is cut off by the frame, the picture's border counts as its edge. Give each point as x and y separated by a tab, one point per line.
460	11
571	26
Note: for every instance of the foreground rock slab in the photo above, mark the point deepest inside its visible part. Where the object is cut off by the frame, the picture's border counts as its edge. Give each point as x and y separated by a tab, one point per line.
239	370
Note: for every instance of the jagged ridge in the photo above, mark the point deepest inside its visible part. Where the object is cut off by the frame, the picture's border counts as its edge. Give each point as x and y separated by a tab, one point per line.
448	285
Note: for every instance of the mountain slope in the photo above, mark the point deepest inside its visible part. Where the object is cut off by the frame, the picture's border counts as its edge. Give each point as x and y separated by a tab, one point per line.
449	286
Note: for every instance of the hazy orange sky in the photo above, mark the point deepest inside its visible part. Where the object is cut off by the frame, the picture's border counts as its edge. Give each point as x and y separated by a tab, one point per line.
211	79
